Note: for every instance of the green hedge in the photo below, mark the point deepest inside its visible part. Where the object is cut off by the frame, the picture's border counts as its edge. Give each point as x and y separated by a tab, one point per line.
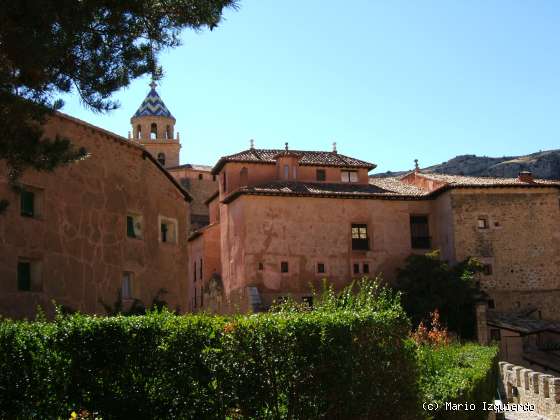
336	364
458	374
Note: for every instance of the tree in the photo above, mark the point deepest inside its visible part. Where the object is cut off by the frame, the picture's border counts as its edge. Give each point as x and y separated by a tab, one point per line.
92	47
427	284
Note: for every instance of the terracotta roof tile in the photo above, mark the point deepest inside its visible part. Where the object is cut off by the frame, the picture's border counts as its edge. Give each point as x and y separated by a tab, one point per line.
473	181
318	158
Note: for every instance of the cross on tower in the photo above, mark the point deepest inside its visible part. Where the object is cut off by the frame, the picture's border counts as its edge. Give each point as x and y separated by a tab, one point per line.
153	84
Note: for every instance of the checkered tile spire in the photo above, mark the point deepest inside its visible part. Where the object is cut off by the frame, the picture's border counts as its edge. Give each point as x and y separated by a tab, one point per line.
153	106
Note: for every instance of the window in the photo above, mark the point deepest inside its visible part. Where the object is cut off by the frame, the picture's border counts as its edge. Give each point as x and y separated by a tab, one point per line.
153	131
482	222
360	240
168	230
365	268
224	184
284	267
134	226
320	175
194	272
27	203
127	290
419	232
286	171
138	131
200	176
24	276
320	267
161	158
487	269
356	268
495	334
261	267
308	300
168	132
349	176
200	270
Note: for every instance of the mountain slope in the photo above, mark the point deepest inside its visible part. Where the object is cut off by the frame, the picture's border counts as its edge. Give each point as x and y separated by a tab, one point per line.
544	164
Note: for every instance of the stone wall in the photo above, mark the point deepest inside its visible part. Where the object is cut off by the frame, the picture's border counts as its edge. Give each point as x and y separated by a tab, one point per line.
521	243
79	240
526	386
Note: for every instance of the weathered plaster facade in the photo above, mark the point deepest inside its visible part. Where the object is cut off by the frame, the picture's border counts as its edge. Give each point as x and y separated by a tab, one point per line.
77	242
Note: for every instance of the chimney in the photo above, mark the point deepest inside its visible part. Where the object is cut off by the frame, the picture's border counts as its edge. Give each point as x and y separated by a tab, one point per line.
526	176
334	147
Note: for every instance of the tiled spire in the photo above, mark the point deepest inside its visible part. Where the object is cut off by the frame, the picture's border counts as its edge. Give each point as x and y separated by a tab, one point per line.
153	106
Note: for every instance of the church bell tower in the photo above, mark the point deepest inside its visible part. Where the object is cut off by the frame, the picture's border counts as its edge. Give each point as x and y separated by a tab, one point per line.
153	127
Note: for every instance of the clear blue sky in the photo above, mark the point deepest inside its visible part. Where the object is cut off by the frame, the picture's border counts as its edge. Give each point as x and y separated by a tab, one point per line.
389	81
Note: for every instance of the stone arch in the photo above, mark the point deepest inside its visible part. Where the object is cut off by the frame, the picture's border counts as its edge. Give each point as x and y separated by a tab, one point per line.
138	131
153	131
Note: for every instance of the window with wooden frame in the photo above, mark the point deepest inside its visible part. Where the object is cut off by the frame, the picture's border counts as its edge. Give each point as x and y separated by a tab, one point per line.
360	239
420	232
320	175
349	176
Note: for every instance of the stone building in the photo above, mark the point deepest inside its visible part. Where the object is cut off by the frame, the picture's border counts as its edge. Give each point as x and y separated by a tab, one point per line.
153	127
114	222
289	218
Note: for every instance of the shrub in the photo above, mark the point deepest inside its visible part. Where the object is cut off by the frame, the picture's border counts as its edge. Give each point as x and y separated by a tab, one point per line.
458	374
349	358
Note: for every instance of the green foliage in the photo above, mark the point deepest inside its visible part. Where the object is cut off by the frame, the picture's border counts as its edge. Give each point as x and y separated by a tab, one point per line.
427	283
346	362
458	373
94	47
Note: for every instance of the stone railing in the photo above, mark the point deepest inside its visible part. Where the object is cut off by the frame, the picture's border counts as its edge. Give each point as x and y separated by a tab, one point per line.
526	386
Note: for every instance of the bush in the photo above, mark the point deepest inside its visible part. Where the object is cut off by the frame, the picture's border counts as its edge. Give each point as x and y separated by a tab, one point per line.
347	359
458	374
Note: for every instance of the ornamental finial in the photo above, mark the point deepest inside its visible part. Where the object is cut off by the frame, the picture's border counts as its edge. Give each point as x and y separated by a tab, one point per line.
153	84
286	146
416	167
252	143
334	147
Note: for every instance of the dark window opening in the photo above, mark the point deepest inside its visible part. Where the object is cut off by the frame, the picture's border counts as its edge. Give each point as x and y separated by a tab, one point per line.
130	227
24	276
194	271
200	270
495	334
224	183
168	133
27	203
200	176
161	158
320	268
487	269
261	266
308	300
284	267
356	268
366	268
321	175
164	230
420	232
213	177
491	304
153	131
138	131
360	240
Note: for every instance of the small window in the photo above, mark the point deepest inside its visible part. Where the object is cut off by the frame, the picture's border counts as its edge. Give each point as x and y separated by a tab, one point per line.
419	232
360	240
29	276
286	171
284	267
138	131
194	272
320	267
495	334
153	131
134	226
349	176
161	159
308	300
214	178
356	268
482	223
127	285
200	270
168	230
321	175
200	176
168	132
27	203
487	269
365	268
224	183
261	267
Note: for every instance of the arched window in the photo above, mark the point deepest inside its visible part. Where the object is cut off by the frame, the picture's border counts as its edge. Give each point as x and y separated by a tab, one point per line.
161	158
244	176
153	131
138	131
168	133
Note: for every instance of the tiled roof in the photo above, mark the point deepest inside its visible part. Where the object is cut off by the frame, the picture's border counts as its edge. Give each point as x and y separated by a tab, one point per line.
473	181
194	167
318	158
319	189
152	106
520	323
396	186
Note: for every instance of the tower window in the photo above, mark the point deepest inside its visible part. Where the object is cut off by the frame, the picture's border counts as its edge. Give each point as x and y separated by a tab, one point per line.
161	158
153	131
168	133
138	131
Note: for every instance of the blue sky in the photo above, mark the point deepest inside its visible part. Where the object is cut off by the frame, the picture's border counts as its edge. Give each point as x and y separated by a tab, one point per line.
389	81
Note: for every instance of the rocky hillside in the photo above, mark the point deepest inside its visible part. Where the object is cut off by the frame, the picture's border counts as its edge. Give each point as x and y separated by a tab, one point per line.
542	164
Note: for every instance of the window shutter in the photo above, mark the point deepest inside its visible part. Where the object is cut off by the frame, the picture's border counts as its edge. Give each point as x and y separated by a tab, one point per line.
24	276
